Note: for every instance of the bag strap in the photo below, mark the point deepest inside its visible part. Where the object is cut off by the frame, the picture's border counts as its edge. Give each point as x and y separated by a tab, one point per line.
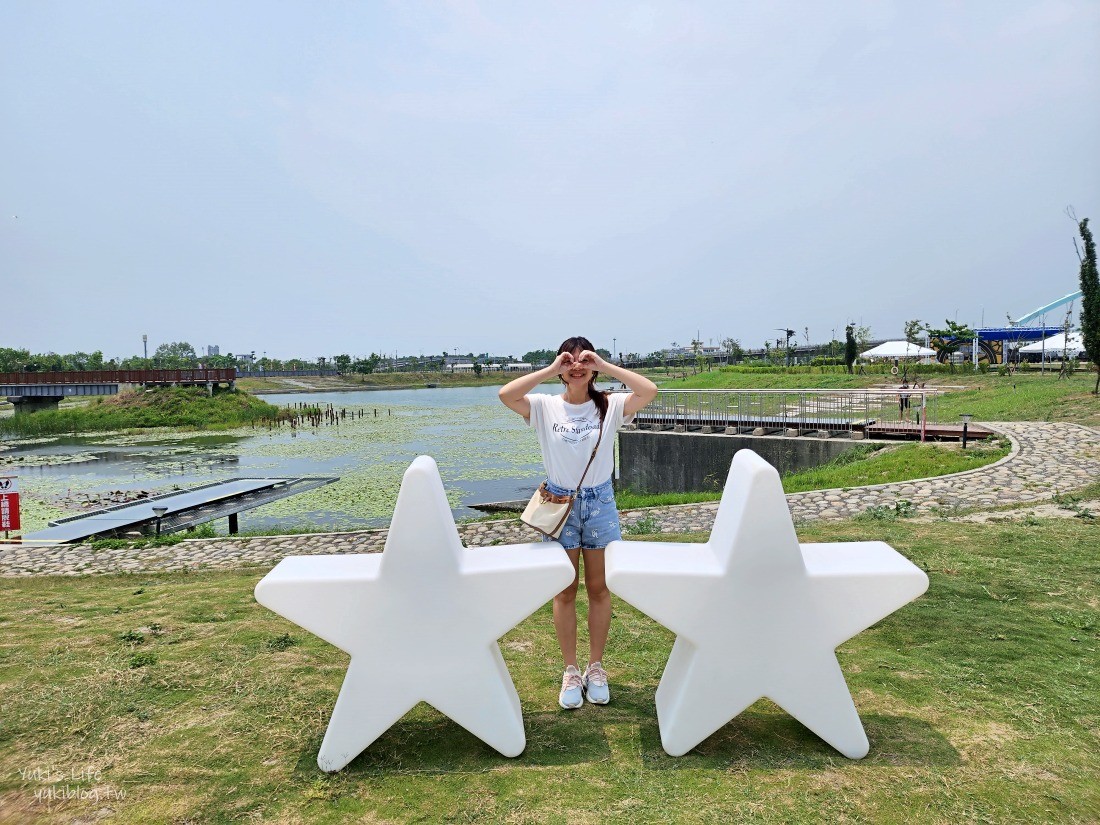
591	458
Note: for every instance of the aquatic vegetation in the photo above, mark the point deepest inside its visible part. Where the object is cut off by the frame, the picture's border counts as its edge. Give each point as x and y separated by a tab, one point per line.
483	450
470	444
15	462
35	513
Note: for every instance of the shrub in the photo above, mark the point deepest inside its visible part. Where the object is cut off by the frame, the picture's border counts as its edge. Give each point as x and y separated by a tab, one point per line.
277	643
142	660
646	525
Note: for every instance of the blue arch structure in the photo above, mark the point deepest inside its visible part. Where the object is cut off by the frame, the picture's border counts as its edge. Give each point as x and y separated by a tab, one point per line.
1035	313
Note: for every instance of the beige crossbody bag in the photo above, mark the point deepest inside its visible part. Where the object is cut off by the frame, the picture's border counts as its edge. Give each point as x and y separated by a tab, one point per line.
547	512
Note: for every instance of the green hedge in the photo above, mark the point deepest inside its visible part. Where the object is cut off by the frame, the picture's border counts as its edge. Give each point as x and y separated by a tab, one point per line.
878	368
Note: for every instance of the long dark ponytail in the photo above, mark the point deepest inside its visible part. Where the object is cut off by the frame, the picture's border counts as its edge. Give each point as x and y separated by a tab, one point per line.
582	343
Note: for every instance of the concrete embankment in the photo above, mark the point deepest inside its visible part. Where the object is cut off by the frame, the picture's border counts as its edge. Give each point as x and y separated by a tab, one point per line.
665	462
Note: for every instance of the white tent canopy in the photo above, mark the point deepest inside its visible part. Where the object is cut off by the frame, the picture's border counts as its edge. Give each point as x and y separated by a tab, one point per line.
1056	344
898	349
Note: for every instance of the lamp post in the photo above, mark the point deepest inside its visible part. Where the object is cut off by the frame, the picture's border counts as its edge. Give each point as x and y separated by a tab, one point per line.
159	510
145	346
966	420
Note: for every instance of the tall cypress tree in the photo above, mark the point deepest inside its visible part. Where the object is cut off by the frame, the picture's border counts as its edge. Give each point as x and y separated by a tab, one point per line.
1090	301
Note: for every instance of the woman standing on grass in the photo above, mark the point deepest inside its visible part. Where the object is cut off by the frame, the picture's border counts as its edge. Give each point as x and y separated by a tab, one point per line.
568	426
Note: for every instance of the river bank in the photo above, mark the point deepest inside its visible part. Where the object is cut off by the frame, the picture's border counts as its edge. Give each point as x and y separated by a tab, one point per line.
278	385
182	407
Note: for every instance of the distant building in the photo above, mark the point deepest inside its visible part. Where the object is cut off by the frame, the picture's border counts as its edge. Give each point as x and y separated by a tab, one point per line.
213	349
689	352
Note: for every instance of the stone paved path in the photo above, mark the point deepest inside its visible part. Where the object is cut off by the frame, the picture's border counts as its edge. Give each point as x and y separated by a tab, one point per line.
1046	458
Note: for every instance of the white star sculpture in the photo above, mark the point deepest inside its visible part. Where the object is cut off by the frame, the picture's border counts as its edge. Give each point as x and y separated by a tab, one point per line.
756	614
420	621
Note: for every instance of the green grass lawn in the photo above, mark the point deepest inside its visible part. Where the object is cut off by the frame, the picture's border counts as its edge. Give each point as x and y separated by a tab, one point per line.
1025	396
902	462
863	465
197	704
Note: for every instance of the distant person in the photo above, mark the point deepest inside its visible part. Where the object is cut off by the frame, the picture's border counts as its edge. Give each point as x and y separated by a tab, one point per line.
903	400
568	426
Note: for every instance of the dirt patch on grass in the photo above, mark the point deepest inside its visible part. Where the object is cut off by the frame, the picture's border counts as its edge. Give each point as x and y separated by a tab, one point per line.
1048	510
983	743
20	806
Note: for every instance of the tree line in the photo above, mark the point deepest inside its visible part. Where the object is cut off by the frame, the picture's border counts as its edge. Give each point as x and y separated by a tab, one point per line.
177	355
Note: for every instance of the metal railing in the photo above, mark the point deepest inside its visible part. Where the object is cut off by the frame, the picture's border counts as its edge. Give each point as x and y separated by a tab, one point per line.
882	412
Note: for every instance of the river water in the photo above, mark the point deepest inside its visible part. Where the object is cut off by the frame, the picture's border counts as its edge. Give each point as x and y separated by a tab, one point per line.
485	453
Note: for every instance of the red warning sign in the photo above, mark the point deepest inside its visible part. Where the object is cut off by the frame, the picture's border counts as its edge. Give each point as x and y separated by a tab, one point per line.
9	503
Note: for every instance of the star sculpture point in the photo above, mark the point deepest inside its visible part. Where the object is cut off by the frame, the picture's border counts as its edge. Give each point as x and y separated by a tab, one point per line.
420	620
756	614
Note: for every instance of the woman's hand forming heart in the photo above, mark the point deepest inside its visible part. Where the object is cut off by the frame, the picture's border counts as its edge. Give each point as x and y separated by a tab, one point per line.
563	363
592	361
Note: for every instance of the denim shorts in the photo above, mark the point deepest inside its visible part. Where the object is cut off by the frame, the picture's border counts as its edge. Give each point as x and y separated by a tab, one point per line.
594	519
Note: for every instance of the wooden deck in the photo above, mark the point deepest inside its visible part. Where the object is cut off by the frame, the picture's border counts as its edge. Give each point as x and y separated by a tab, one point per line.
933	432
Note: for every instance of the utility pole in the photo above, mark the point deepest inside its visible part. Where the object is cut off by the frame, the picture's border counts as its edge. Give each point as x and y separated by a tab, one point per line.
790	334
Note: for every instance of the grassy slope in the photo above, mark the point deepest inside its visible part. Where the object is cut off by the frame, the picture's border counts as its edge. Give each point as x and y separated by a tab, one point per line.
1023	397
901	463
161	407
979	700
863	465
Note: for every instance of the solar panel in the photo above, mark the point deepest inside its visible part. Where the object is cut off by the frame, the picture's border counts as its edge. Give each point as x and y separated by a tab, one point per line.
182	509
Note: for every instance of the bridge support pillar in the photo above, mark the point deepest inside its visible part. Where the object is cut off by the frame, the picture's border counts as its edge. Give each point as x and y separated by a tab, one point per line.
33	403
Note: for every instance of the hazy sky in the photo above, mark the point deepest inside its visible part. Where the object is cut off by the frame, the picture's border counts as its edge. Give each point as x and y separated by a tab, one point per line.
316	178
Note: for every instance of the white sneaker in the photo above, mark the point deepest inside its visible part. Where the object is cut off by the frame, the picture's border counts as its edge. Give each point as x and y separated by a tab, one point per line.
596	689
572	689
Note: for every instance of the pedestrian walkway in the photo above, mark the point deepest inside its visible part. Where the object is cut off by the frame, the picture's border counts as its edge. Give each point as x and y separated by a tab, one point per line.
1046	458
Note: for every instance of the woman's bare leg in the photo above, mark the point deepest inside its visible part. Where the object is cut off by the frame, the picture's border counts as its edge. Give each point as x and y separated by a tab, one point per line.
599	604
565	614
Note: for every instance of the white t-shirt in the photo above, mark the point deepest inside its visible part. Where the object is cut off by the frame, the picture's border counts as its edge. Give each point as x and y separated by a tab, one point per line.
568	432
